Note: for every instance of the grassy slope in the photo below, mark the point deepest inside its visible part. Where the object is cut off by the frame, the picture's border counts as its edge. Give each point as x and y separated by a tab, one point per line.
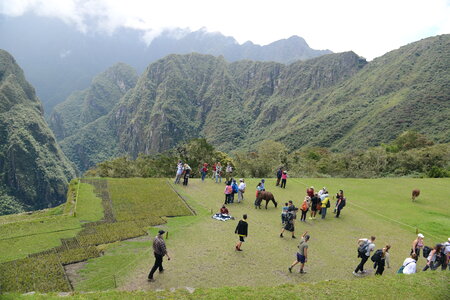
203	249
25	234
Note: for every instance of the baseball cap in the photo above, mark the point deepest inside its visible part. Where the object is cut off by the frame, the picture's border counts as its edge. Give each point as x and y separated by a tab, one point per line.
420	235
161	232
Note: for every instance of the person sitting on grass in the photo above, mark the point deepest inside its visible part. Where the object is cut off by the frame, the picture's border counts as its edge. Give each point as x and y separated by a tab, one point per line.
409	265
302	254
242	231
224	210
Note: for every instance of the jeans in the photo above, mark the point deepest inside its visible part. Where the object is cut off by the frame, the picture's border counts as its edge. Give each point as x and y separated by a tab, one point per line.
338	213
303	217
283	183
157	265
177	179
203	175
218	178
324	212
360	267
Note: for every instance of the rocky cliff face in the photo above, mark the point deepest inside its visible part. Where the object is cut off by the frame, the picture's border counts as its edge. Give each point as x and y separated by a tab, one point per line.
33	170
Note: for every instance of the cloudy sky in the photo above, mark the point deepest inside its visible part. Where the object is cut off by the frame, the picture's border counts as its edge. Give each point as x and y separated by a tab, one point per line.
370	28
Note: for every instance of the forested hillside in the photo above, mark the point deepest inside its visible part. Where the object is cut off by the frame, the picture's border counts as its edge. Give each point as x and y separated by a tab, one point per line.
33	170
338	101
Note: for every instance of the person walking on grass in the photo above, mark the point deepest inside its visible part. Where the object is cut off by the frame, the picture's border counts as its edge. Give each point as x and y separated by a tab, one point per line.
159	250
382	259
290	220
204	171
279	173
302	254
241	190
284	177
284	212
365	247
242	231
434	259
342	201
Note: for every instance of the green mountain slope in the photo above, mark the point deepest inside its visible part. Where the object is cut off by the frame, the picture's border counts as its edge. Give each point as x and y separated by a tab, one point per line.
336	100
84	107
33	169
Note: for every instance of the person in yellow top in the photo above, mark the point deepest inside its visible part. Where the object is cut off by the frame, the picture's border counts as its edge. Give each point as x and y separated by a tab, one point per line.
325	204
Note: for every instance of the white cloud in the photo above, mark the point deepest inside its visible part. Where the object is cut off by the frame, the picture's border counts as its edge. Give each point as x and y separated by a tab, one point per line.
370	28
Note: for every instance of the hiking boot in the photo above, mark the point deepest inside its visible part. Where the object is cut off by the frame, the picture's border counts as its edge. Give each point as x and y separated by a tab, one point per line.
290	269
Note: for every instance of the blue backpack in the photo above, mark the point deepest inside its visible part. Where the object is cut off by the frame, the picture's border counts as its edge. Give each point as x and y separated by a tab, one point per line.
235	188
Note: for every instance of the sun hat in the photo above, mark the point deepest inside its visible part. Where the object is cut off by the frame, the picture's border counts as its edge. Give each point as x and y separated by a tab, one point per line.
420	235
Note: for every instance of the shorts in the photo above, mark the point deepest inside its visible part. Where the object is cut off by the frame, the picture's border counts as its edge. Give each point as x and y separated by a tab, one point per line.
241	239
301	258
314	207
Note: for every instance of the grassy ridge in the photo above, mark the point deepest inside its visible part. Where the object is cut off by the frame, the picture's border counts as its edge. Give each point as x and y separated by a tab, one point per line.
419	286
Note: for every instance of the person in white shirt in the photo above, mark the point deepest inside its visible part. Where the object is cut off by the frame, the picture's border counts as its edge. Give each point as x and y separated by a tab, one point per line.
365	247
241	190
410	264
447	253
179	172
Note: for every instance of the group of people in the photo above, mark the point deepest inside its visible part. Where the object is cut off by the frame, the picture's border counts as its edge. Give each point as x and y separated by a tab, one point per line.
232	188
183	170
281	176
436	257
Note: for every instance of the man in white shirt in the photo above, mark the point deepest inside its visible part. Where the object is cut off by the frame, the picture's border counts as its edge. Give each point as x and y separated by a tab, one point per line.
241	190
365	247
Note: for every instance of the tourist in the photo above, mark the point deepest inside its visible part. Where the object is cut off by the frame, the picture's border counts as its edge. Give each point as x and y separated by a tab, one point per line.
417	244
204	171
218	173
365	247
382	261
325	205
187	173
159	250
224	210
229	171
263	184
322	191
279	173
242	231
228	190
234	189
310	192
214	170
283	179
258	200
304	208
409	265
241	190
302	254
340	205
284	212
315	205
434	259
290	220
446	246
179	172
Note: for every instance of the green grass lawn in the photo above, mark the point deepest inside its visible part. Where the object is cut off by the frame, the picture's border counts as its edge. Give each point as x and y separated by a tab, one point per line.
24	234
203	249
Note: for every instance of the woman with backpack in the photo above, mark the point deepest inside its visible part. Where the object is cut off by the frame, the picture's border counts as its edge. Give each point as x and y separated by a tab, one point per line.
340	205
433	258
304	208
409	265
381	256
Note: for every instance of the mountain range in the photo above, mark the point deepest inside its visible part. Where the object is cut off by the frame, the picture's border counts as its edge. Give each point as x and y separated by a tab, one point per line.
46	48
339	101
34	172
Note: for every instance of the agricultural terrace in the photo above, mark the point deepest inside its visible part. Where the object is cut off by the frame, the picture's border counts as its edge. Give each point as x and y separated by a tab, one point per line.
202	249
73	232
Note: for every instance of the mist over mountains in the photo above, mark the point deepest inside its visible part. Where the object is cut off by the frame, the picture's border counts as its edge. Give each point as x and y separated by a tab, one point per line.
58	59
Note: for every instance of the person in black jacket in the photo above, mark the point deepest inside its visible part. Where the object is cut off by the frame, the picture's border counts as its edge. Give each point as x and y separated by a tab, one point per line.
242	231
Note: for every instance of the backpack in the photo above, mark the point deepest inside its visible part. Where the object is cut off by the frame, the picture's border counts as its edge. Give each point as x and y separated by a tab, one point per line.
426	251
362	249
235	188
376	257
328	203
304	206
400	271
343	203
